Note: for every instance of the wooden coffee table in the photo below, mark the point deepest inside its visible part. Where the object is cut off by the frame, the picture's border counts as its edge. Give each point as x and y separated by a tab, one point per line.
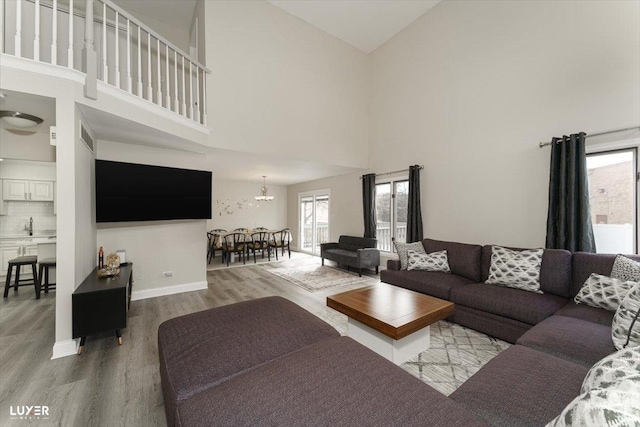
392	321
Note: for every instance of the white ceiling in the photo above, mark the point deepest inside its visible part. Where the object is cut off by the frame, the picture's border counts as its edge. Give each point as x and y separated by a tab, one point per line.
364	24
178	13
38	106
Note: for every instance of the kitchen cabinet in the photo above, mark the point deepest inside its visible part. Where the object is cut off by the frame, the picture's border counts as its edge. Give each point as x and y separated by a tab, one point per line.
13	248
22	189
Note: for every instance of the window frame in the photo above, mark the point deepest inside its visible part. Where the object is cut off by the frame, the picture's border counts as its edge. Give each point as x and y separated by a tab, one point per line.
391	180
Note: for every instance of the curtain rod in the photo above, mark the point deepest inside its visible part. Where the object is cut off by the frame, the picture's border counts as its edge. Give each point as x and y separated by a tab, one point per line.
394	172
544	144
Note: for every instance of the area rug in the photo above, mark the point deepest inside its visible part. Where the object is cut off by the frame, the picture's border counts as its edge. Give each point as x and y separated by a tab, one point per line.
314	278
455	354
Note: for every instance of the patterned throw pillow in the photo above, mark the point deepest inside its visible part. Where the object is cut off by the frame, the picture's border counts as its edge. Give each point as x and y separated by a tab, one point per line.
435	261
603	292
626	269
621	365
402	249
515	269
625	329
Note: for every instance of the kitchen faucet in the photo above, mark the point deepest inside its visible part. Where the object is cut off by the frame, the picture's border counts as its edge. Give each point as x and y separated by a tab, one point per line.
30	228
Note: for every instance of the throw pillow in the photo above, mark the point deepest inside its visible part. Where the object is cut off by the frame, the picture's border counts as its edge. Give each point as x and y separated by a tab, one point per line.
621	365
603	292
616	405
625	329
626	269
515	269
402	248
435	261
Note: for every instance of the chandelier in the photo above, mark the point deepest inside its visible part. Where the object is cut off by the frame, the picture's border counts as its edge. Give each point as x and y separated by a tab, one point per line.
263	189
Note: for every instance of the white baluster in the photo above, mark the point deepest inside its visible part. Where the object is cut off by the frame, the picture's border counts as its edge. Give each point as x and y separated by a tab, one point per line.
129	81
198	94
139	92
18	38
54	34
190	92
105	65
176	102
117	40
184	92
159	100
89	58
1	26
166	82
149	66
204	97
36	38
70	49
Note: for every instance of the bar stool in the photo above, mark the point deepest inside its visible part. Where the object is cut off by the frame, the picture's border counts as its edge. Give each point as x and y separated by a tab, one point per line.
45	264
19	263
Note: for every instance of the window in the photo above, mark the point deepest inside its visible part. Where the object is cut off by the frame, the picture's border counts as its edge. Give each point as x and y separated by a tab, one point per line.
314	220
391	213
613	199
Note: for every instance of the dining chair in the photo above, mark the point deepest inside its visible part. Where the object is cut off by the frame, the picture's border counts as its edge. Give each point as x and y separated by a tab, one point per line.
259	242
234	243
260	229
281	239
213	238
241	230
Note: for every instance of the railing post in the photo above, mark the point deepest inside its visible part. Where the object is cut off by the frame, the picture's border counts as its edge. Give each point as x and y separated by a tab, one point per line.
184	92
117	41
204	97
139	91
198	94
70	47
129	81
36	38
105	65
89	57
149	76
176	102
166	82
190	92
18	38
54	34
159	100
1	26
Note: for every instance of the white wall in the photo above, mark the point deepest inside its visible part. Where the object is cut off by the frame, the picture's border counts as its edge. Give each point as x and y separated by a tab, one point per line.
157	246
345	206
229	196
280	85
26	145
471	87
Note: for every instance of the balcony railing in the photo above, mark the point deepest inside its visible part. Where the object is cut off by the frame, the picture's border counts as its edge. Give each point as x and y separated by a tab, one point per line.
117	49
322	236
384	235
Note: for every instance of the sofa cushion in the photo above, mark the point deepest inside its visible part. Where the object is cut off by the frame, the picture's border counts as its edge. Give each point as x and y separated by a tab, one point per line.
555	271
623	364
403	251
436	284
435	261
584	263
521	387
500	327
515	269
464	259
603	292
203	349
576	340
333	383
527	307
584	312
625	269
625	329
340	254
353	243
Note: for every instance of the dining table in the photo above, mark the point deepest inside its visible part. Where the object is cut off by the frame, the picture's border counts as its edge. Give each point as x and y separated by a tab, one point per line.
218	238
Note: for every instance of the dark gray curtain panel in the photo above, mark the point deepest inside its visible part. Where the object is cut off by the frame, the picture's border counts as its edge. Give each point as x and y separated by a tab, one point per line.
569	218
414	213
369	204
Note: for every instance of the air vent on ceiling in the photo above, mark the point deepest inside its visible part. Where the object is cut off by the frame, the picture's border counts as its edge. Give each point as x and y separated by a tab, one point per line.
52	135
86	138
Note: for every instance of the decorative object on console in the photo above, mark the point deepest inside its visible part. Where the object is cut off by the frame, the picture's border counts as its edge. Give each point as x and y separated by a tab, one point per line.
435	261
603	292
625	329
123	255
403	248
20	120
626	269
263	189
112	266
515	269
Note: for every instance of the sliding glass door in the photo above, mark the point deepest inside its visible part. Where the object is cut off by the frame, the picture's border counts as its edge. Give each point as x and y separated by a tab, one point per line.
314	221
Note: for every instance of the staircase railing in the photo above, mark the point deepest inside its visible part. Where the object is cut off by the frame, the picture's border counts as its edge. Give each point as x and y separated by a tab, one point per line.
117	49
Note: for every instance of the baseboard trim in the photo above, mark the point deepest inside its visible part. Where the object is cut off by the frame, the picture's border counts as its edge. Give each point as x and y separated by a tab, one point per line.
64	348
168	290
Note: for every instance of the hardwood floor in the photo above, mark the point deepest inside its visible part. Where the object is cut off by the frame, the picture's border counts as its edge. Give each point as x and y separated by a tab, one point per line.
111	385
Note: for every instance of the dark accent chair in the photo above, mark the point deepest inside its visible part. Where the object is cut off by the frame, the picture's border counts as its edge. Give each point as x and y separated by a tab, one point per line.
259	242
234	243
281	239
357	252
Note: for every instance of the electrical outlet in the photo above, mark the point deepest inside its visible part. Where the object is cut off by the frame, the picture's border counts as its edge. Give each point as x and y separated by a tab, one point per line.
167	273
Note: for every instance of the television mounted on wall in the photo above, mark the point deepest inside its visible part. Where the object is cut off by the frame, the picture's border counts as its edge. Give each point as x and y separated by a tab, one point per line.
135	192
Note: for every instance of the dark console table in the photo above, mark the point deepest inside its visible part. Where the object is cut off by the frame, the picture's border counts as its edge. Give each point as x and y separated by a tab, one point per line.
102	304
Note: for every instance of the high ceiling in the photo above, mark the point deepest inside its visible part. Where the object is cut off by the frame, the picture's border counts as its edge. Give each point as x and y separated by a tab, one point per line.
178	13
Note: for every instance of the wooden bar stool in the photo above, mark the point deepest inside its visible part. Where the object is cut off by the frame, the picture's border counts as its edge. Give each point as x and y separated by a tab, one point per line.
45	264
19	263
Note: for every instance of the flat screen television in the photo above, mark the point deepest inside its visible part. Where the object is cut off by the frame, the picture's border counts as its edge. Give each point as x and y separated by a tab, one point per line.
134	192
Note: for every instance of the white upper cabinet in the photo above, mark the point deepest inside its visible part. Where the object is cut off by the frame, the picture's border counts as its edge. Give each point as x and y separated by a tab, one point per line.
41	191
20	189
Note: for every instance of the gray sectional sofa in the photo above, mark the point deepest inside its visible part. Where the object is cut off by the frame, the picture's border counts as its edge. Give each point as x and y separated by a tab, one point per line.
269	362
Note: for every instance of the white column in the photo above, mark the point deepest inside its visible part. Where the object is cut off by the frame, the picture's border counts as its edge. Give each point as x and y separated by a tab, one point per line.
105	65
117	41
139	91
176	102
149	66
129	81
198	93
166	80
89	56
184	92
54	34
70	49
36	38
18	38
159	100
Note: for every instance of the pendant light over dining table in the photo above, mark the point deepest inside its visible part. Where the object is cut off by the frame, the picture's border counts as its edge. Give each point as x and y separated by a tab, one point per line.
263	189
